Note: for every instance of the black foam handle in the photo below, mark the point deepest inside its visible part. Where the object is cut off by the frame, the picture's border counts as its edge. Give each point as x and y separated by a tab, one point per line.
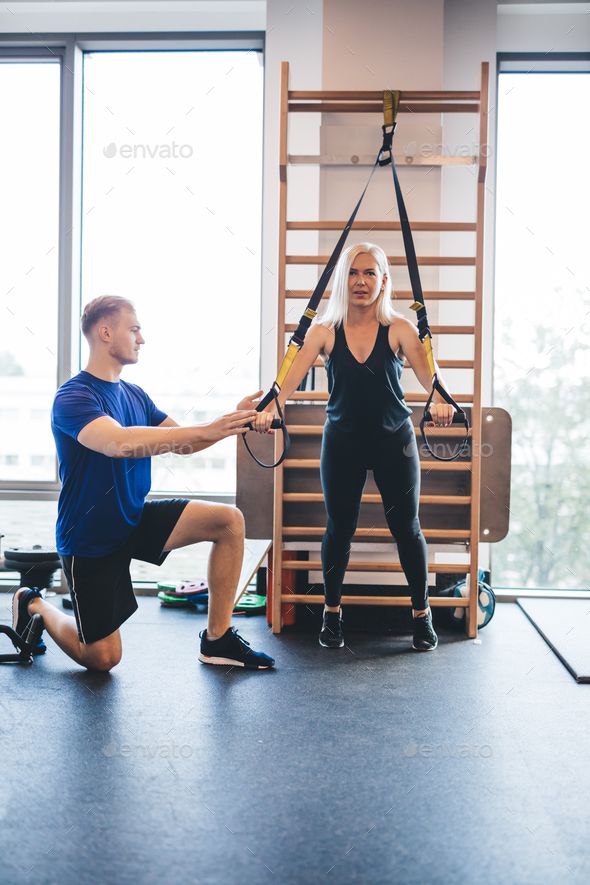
458	417
276	424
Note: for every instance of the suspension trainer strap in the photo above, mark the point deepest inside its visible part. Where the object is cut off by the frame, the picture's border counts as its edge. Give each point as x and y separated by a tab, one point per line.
278	423
310	312
391	100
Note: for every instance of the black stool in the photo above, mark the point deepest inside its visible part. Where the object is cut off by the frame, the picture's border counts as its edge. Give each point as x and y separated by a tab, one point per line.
36	565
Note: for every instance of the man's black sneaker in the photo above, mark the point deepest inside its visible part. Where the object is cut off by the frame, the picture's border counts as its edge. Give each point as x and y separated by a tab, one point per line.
233	651
425	639
21	618
331	635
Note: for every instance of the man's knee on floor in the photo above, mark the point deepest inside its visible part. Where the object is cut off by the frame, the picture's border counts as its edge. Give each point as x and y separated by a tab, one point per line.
103	658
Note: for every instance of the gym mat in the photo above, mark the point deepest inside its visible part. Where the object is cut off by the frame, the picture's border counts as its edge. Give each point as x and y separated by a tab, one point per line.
564	624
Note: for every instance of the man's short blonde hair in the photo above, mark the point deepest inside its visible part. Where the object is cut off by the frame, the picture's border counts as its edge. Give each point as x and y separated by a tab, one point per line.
101	307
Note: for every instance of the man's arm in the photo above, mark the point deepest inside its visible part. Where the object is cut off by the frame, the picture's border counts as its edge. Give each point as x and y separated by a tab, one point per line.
108	437
168	422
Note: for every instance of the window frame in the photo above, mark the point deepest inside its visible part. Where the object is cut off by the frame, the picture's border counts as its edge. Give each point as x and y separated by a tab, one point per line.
519	63
69	49
553	63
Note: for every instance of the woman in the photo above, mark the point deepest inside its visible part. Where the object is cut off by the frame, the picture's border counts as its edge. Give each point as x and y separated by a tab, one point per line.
362	340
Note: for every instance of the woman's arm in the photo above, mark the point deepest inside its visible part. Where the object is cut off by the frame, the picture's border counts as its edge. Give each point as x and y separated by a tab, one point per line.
315	342
406	336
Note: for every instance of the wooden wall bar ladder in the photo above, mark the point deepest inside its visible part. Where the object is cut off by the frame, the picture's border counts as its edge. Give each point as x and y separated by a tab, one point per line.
459	503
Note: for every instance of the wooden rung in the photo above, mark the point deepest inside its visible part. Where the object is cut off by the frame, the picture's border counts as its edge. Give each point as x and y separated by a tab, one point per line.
394	260
435	601
436	330
315	565
364	95
318	429
366	160
321	396
291	531
452	364
405	294
384	225
445	466
310	396
398	295
305	429
430	466
370	498
369	107
314	599
443	364
422	397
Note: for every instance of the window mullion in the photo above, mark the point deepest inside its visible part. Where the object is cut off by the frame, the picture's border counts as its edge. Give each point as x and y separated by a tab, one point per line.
69	211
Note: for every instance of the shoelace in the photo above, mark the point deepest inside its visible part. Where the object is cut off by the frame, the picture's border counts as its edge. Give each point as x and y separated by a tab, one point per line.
426	628
240	638
332	622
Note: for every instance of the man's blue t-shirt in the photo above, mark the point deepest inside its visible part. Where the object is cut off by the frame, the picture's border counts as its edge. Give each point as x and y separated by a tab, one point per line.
101	499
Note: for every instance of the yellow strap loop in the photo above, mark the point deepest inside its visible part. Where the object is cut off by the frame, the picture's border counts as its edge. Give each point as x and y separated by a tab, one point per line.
427	342
388	107
292	352
391	99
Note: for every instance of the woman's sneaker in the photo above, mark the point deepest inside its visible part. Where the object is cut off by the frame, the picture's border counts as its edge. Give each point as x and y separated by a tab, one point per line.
425	639
21	618
331	635
233	651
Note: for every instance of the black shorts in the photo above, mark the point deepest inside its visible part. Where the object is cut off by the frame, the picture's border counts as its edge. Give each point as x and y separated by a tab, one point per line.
100	586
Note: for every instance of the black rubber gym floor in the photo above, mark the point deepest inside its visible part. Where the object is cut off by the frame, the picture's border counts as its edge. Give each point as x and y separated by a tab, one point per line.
372	764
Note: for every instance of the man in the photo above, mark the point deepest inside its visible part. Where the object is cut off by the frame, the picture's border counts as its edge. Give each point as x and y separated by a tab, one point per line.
106	432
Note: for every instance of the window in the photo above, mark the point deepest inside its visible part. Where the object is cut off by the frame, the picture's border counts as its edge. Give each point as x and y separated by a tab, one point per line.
40	460
23	524
29	158
542	324
172	193
148	148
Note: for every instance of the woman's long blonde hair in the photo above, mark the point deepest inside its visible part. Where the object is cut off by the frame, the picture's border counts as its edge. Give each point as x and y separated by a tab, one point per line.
336	312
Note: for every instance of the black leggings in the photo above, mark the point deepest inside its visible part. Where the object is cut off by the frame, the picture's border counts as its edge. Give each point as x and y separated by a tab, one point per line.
393	457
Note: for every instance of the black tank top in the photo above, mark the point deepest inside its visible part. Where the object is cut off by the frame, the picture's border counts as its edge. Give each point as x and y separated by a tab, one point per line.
365	396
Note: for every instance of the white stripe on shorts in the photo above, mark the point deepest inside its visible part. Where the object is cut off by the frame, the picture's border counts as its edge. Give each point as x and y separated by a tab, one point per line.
75	604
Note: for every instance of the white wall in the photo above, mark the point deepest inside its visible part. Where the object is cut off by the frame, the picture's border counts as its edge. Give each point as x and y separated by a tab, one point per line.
86	16
543	27
293	34
469	40
399	46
